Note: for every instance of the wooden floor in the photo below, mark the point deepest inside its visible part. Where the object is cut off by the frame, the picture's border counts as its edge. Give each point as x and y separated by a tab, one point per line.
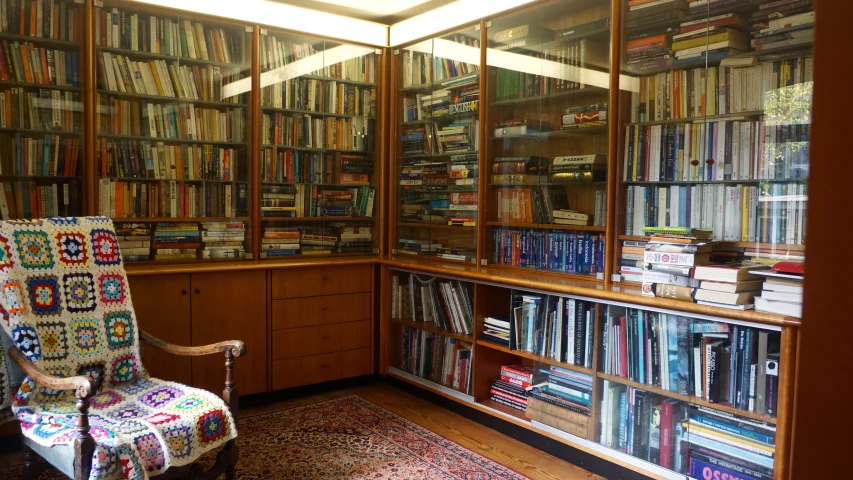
520	457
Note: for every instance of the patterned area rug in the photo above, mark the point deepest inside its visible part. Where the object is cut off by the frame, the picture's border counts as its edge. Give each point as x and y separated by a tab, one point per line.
345	438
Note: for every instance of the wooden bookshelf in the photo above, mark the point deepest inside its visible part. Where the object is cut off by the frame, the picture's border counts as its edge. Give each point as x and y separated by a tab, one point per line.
161	56
535	358
547	226
431	327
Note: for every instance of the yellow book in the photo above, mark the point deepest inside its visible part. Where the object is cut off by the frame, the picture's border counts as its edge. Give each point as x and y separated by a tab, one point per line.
744	214
703	40
690	426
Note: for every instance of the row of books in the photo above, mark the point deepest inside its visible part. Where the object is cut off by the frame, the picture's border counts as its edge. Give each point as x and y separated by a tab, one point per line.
691	439
24	200
437	358
303	130
457	97
167	36
321	96
143	159
446	303
536	170
25	62
577	61
162	78
284	165
171	198
554	250
337	237
302	200
50	155
188	241
766	213
461	251
714	151
692	93
534	205
721	363
181	121
54	19
420	68
40	110
277	52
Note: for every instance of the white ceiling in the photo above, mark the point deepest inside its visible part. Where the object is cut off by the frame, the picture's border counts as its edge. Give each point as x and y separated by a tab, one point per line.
382	11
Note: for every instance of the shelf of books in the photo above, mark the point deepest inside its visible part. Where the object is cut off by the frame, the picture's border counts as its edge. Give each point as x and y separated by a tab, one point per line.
437	143
318	146
41	120
715	136
548	91
172	154
669	393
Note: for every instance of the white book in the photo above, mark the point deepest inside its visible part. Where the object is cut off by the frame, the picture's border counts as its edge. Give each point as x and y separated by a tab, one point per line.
735	166
791	206
663	205
674	205
695	206
720	155
753	214
719	211
571	333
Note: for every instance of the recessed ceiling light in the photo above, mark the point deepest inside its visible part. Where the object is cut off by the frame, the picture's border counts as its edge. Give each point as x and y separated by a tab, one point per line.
383	7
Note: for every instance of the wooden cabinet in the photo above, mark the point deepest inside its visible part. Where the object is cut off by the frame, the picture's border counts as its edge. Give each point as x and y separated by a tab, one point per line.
321	324
162	306
200	309
230	306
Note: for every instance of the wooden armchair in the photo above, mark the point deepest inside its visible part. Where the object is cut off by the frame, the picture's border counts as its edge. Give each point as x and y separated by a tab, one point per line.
87	406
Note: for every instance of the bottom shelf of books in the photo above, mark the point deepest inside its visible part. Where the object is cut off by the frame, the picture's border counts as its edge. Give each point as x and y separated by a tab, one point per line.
672	394
182	240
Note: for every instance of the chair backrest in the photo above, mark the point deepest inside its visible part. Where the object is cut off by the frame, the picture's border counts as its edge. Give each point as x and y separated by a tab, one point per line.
64	298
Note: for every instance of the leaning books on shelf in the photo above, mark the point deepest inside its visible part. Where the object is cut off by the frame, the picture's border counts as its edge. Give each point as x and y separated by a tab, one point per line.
144	159
555	250
299	200
533	204
39	198
307	131
276	53
446	303
321	96
58	20
715	362
26	62
180	122
40	109
554	327
50	155
171	198
437	358
134	241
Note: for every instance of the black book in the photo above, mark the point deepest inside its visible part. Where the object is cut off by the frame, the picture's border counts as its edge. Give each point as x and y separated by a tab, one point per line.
651	326
583	29
580	327
771	388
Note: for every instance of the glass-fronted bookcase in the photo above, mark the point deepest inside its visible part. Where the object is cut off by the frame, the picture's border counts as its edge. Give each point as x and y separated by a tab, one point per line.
173	158
436	206
318	146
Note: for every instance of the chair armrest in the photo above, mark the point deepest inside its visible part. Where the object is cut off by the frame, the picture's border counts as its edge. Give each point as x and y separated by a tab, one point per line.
236	347
83	386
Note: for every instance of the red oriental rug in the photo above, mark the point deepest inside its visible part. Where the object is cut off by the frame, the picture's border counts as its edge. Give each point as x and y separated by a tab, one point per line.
345	438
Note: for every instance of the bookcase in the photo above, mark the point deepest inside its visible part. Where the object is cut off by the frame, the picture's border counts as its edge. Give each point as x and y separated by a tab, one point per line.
173	159
437	138
318	146
41	123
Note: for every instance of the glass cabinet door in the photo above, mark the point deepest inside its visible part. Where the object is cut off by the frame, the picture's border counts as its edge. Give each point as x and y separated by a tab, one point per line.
547	143
318	110
437	158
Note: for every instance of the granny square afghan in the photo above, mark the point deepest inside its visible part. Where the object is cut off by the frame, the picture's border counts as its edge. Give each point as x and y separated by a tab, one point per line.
65	304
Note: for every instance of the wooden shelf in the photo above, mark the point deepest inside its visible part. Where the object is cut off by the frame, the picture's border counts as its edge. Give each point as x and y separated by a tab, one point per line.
184	180
531	356
706	118
437	84
551	96
555	134
547	275
42	41
431	259
338	80
514	412
160	56
315	219
179	219
12	83
441	118
41	177
171	140
546	226
313	149
782	247
688	398
431	327
311	112
429	226
166	99
39	131
716	182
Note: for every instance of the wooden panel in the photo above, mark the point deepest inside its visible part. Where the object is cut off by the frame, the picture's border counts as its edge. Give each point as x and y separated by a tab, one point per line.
320	281
307	311
286	373
162	306
230	306
321	368
299	342
355	362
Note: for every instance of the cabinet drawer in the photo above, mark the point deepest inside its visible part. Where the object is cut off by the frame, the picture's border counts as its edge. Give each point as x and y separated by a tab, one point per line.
321	368
286	373
299	342
307	311
311	282
355	363
294	372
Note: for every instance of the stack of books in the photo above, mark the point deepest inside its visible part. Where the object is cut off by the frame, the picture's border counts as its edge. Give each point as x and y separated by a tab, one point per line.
416	246
282	200
437	358
280	242
521	127
631	260
563	401
496	331
669	258
578	168
459	136
176	241
223	240
446	303
782	24
782	294
134	241
433	105
730	285
647	25
585	116
353	237
511	388
712	43
317	240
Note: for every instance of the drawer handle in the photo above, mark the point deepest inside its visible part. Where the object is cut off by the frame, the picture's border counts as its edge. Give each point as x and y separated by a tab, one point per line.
325	337
324	366
196	291
325	307
324	277
184	291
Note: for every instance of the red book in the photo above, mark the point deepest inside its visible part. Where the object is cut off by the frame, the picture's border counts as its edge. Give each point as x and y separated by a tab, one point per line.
623	347
511	398
666	408
515	381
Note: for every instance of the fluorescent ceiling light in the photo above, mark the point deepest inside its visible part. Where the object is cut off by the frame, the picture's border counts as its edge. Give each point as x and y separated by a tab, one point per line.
383	7
285	16
448	16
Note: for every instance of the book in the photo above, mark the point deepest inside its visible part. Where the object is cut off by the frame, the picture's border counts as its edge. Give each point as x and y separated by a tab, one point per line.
731	273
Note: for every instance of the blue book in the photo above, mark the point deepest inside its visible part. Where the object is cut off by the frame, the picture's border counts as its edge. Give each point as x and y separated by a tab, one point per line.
684	352
623	421
672	351
579	248
725	427
721	447
684	205
641	343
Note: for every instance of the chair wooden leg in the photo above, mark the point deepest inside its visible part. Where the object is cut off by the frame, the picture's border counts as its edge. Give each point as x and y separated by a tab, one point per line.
32	464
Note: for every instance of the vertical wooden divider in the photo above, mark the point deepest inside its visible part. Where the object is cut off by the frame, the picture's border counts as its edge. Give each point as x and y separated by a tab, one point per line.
90	92
482	147
254	141
384	318
385	115
394	80
596	389
612	136
785	405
